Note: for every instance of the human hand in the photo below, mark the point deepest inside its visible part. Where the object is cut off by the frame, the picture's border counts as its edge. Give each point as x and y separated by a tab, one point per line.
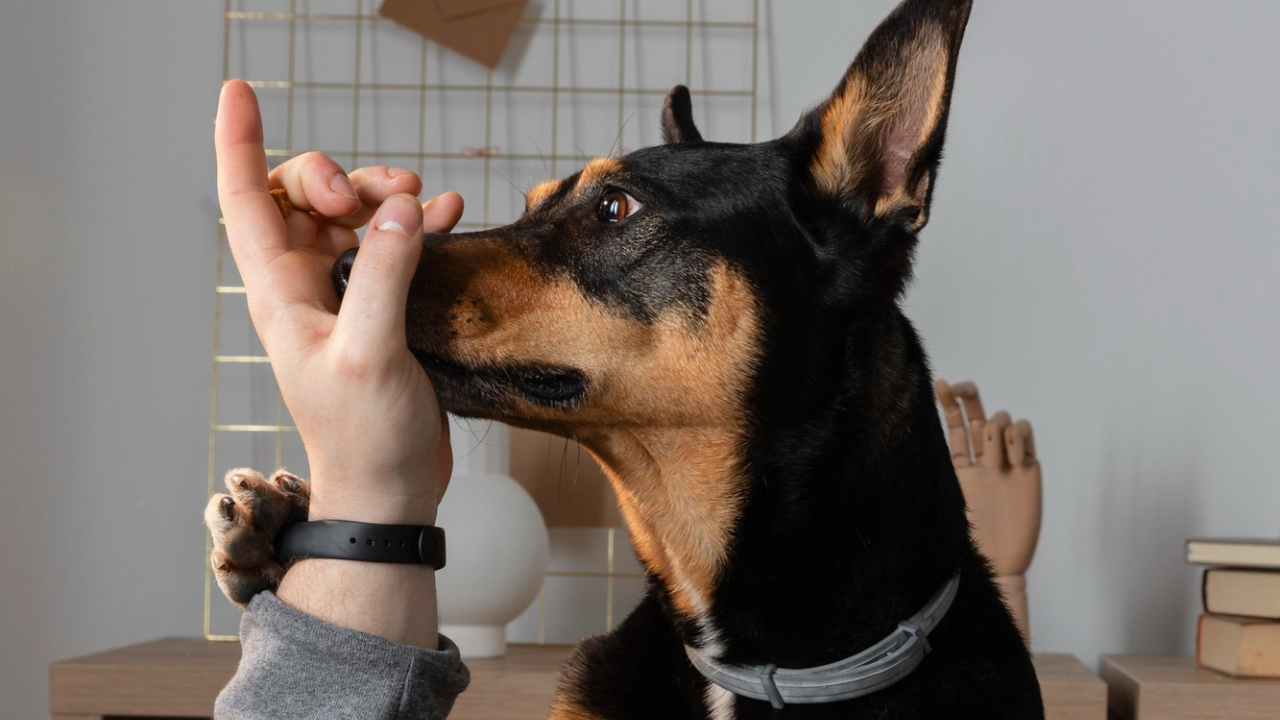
1000	478
367	414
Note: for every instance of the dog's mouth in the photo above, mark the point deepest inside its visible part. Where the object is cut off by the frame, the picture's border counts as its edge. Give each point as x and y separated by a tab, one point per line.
479	390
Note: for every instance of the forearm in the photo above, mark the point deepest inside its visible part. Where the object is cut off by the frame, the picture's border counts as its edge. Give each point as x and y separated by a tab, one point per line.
397	602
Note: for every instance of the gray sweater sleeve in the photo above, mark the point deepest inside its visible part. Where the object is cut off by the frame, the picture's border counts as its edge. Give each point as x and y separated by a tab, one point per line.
294	665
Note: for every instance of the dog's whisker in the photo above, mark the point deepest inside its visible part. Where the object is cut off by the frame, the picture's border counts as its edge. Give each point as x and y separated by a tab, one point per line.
617	141
512	184
562	472
546	169
577	465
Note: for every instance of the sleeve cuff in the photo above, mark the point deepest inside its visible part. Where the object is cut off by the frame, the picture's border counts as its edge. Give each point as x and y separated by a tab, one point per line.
296	665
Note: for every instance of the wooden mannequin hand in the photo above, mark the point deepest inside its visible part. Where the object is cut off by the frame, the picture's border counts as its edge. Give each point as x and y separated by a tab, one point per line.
996	463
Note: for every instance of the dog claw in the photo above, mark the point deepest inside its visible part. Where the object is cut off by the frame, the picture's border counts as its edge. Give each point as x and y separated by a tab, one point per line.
228	508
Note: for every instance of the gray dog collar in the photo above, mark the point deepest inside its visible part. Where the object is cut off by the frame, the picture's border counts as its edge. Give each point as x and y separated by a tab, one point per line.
875	668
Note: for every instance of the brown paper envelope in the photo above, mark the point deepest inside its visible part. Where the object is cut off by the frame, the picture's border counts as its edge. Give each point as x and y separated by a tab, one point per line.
451	9
482	35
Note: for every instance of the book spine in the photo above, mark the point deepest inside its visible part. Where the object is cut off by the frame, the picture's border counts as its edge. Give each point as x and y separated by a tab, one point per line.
1200	640
1236	609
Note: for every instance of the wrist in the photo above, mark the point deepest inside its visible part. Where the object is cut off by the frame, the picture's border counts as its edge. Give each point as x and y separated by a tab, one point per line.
388	508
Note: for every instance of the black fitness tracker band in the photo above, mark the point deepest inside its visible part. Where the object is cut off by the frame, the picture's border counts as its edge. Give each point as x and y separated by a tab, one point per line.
347	540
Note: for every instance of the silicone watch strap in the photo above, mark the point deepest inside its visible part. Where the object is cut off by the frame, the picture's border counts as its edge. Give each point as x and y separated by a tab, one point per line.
348	540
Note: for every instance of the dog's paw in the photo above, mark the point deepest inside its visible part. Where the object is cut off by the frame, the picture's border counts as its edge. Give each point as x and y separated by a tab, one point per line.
244	526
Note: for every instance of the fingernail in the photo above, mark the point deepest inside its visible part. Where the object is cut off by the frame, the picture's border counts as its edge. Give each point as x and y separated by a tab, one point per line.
341	185
397	172
398	213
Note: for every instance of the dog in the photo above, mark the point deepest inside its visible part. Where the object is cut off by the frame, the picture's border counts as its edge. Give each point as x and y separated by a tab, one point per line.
719	325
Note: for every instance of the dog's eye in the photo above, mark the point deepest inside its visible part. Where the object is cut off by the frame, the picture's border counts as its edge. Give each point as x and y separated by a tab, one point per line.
616	206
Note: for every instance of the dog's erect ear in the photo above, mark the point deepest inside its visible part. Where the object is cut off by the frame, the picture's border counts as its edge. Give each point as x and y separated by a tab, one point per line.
677	118
878	138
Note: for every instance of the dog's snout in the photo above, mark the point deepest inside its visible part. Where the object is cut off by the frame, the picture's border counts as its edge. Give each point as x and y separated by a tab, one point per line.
342	267
342	271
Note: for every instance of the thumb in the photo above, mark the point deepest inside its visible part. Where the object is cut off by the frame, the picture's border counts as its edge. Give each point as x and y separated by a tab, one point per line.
373	307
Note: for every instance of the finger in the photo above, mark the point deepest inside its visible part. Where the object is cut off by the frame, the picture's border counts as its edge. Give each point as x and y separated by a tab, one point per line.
968	394
1015	442
274	277
315	183
442	212
255	228
333	240
298	282
312	232
993	441
957	431
374	185
1028	441
373	308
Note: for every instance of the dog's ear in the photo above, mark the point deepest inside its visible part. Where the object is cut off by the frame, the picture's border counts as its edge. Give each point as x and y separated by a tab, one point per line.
677	118
878	139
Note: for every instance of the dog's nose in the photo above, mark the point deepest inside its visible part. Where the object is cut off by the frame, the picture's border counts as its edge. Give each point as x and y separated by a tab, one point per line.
342	271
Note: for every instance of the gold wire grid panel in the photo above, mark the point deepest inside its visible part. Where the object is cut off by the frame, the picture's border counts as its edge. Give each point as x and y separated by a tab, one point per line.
580	78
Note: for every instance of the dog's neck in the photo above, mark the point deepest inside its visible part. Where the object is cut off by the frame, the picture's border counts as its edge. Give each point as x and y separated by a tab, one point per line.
810	539
680	493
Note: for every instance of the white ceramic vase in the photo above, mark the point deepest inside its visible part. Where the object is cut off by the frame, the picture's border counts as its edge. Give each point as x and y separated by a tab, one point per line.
497	543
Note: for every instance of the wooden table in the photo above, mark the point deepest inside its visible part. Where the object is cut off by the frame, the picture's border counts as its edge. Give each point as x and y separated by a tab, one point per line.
1070	690
180	677
1172	687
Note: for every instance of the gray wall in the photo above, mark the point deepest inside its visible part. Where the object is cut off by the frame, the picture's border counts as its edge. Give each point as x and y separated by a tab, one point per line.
106	267
1099	259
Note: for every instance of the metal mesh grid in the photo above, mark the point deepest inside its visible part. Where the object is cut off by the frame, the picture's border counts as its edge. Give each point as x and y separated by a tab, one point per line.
334	76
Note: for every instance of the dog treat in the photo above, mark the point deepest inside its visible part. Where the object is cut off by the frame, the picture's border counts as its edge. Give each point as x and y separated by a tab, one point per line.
281	196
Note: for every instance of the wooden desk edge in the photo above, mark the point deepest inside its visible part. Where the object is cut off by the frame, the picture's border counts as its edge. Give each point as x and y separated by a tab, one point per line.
1122	689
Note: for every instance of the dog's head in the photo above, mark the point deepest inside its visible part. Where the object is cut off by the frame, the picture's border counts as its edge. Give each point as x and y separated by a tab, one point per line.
653	289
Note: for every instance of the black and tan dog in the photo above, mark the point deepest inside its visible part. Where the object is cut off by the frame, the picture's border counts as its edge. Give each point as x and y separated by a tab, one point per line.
719	325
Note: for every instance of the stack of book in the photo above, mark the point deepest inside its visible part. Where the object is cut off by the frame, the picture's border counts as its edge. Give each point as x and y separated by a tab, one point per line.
1239	632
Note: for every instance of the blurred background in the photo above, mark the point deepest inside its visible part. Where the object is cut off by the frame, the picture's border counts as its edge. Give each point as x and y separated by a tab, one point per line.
1100	259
